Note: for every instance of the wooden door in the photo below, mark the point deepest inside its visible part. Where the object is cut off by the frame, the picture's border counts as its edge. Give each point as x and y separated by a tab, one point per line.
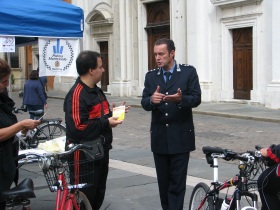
104	57
158	26
242	63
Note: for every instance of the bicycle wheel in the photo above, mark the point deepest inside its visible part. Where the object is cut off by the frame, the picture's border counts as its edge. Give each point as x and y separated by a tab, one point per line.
47	132
197	196
82	201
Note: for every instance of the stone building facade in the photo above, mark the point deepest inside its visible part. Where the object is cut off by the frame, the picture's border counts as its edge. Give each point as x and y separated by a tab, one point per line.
234	44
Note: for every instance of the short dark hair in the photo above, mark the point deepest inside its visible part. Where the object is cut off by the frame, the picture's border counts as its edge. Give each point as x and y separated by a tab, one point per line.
34	75
86	60
5	69
169	43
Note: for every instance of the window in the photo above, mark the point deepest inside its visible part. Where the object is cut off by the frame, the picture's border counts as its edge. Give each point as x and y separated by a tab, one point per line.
14	58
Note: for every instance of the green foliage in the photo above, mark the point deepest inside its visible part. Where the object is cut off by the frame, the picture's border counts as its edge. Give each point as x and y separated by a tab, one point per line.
12	79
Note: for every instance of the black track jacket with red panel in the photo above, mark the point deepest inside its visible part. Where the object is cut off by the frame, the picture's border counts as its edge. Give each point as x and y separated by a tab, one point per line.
83	114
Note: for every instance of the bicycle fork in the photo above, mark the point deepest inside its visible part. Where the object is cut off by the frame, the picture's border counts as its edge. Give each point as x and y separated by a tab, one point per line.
237	199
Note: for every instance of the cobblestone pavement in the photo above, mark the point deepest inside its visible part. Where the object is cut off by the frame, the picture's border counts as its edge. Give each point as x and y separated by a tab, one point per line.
127	190
231	133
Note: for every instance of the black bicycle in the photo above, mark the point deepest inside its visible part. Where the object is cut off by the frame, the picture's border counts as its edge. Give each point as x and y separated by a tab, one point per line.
245	182
47	130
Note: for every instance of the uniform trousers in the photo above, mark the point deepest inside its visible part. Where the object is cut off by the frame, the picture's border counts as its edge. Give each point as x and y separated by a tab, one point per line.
172	174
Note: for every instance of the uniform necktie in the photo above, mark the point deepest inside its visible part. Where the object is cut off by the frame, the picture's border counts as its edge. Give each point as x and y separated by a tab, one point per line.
167	75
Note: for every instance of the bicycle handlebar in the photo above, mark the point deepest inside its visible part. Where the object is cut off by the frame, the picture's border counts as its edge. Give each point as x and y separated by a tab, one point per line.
74	147
19	157
258	147
16	110
70	151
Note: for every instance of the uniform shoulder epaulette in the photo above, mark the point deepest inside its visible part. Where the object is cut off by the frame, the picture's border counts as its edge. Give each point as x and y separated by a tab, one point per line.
186	65
153	70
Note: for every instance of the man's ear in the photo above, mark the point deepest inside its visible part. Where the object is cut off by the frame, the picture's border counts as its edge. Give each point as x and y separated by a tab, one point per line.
91	71
172	53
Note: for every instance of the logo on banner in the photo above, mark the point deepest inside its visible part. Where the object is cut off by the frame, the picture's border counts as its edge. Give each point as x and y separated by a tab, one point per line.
7	44
58	55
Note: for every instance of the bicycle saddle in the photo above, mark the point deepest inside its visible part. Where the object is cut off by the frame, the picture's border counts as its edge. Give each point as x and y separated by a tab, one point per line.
39	112
209	150
24	190
53	120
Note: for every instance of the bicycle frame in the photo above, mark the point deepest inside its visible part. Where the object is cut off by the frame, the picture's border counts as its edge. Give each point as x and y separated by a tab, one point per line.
218	186
22	139
56	172
64	199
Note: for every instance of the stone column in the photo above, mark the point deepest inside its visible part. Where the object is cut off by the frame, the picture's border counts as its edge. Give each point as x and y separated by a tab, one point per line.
123	54
273	88
198	39
178	28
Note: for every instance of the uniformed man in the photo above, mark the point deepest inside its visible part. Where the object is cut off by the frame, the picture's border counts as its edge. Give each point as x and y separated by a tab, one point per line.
171	91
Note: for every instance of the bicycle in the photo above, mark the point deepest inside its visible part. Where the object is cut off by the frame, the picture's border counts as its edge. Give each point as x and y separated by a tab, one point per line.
19	195
62	178
56	168
47	130
208	197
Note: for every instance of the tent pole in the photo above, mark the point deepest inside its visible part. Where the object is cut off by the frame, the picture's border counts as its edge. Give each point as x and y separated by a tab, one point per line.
10	81
81	45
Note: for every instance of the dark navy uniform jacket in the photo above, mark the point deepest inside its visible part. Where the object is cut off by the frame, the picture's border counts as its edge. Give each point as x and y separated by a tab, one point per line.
172	128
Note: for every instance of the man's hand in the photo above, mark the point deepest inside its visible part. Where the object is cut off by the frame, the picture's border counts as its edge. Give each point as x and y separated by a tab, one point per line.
113	121
264	152
157	97
177	97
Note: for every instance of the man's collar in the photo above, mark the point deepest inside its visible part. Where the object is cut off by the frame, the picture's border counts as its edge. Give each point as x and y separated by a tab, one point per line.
171	70
89	89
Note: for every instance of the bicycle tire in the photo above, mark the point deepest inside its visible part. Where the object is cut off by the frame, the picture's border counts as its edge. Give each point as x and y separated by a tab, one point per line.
47	132
198	194
82	201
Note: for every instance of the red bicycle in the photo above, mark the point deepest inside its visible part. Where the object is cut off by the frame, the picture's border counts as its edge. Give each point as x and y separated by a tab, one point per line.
66	176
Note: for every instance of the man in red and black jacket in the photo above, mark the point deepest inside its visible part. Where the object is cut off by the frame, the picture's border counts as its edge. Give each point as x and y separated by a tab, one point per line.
269	180
85	121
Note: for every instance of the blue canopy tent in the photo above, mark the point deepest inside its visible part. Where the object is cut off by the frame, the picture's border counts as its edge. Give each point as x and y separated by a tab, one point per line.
40	18
26	20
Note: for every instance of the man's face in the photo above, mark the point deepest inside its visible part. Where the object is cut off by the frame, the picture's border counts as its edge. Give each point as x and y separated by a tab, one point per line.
4	82
98	71
163	58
